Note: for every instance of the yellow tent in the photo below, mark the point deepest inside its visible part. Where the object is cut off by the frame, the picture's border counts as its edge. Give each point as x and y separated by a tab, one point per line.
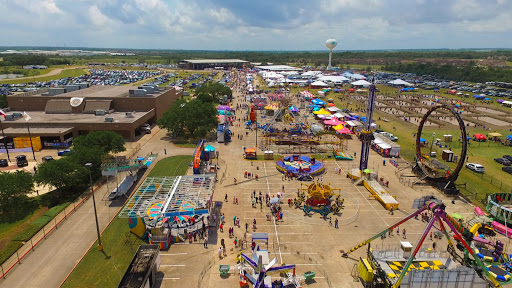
322	112
495	134
338	127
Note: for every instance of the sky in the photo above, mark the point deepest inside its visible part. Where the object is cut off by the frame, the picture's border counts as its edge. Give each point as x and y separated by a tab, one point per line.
257	25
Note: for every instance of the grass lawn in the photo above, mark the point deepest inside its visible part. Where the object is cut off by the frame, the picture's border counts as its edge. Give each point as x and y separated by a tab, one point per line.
171	166
186	145
64	74
98	269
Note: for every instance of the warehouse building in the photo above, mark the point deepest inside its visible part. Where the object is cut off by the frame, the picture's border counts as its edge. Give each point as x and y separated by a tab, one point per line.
60	114
201	64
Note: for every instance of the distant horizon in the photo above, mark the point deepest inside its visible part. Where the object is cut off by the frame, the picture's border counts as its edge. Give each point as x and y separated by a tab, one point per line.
49	48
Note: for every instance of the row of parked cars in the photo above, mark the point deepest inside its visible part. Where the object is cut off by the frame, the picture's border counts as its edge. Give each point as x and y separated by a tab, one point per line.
506	161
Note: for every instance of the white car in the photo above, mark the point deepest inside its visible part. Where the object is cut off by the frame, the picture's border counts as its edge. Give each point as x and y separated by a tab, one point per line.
389	136
475	167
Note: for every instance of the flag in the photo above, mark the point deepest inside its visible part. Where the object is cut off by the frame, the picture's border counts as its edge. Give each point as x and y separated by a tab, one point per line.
25	115
2	113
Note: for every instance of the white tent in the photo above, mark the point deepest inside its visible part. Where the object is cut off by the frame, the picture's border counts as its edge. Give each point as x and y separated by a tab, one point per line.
363	83
399	82
319	83
310	73
335	79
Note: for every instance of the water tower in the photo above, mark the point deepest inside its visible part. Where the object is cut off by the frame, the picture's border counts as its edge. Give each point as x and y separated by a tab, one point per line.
330	44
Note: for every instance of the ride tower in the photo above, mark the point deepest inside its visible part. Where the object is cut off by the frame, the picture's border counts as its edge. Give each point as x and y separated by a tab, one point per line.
366	135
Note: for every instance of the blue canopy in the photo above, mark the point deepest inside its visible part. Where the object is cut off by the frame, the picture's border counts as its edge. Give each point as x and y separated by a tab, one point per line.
316	108
318	102
509	137
422	140
487	99
209	148
311	106
478	96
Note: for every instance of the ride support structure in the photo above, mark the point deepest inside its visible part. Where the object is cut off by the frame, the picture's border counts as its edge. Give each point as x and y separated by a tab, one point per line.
439	216
366	135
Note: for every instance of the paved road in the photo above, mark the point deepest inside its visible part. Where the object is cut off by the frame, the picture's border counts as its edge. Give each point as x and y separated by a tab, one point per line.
56	256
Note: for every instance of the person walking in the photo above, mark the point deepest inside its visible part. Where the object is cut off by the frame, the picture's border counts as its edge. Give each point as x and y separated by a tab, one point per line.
205	245
246	226
398	231
234	220
403	234
220	252
336	223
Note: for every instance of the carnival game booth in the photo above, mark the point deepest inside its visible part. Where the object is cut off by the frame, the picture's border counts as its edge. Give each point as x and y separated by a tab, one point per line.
250	153
167	210
300	165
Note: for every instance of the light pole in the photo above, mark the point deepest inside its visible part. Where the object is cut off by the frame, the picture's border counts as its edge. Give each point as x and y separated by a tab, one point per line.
100	246
431	144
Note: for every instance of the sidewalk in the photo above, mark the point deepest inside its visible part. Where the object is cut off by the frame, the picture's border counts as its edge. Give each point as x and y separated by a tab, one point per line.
57	254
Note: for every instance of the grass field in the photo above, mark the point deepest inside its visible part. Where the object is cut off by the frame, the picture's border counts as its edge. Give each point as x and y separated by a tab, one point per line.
98	269
105	269
25	72
64	74
171	166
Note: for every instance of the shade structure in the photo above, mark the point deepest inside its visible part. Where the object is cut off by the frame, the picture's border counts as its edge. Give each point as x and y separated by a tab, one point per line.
344	130
422	140
294	109
480	137
209	148
321	112
456	216
500	100
319	84
495	134
274	200
317	102
399	82
339	126
367	171
224	107
331	105
332	122
361	83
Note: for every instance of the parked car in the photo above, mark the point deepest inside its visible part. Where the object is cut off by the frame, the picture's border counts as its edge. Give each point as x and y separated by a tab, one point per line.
47	158
4	163
507	169
21	160
64	152
146	128
389	136
503	161
508	157
475	167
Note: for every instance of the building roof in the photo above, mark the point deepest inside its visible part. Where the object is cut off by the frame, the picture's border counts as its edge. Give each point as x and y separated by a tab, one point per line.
91	105
69	119
39	131
215	61
56	106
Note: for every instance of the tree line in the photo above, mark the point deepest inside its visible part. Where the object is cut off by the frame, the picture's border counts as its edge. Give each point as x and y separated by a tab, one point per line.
23	59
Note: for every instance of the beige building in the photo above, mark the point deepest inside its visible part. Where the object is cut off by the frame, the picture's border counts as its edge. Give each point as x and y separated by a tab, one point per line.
57	115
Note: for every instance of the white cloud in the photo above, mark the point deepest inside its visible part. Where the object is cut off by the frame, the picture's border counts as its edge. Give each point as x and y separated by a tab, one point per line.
257	25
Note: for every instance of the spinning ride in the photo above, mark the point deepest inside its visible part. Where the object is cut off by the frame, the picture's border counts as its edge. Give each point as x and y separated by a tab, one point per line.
320	199
300	165
427	169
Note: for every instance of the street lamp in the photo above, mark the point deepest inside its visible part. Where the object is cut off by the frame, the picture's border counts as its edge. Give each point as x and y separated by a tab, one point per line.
100	246
431	144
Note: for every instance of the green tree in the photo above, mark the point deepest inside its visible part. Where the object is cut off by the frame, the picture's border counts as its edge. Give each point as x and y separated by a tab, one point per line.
191	119
106	141
14	188
215	90
3	101
64	174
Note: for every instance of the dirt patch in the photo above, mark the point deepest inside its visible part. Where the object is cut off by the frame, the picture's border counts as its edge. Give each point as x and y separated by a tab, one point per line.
400	103
491	111
416	120
392	111
493	121
4	241
453	121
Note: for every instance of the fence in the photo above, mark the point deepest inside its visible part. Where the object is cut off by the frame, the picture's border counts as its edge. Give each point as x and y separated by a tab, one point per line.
28	247
495	182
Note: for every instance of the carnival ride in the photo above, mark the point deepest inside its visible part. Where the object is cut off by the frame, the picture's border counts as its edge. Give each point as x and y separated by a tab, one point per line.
443	179
339	155
256	269
199	156
320	199
300	165
366	135
165	209
463	238
499	206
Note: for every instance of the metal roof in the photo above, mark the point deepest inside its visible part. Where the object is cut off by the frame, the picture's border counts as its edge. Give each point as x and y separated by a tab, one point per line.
171	196
215	61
